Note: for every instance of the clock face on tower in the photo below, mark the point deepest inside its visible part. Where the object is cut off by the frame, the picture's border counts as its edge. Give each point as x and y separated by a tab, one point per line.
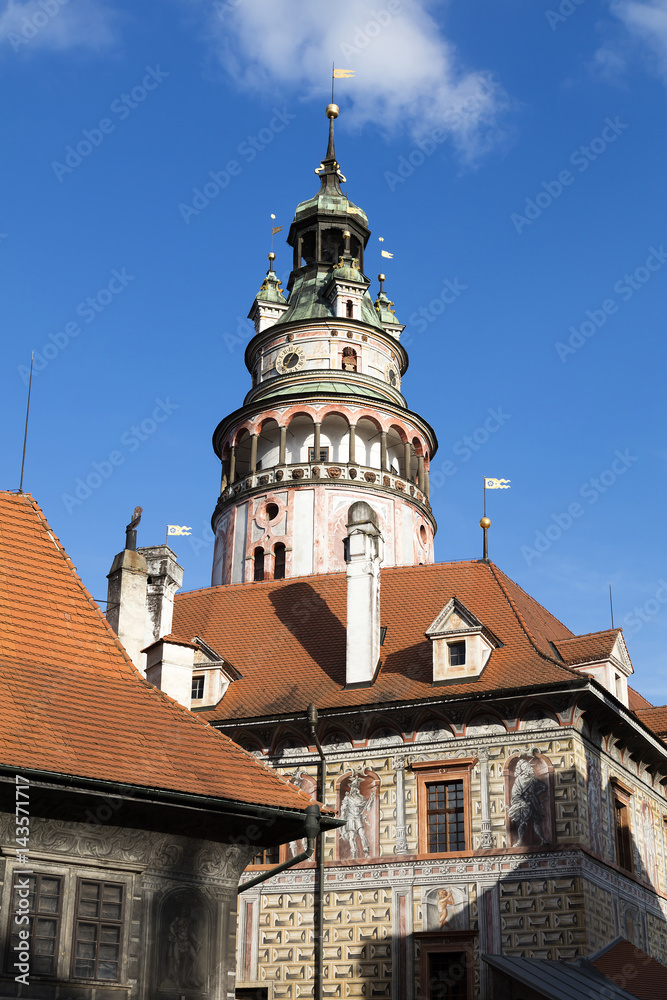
392	376
290	359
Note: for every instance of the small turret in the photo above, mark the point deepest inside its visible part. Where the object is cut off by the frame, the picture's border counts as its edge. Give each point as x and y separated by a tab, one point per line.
270	303
384	307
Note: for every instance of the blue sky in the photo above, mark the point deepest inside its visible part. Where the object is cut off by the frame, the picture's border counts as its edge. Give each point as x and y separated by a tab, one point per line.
514	150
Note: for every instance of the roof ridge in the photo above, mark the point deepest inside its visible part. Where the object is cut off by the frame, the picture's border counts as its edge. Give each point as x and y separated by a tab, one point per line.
88	596
587	635
497	573
533	599
335	573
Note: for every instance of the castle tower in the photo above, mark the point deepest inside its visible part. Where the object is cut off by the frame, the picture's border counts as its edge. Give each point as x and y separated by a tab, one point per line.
325	423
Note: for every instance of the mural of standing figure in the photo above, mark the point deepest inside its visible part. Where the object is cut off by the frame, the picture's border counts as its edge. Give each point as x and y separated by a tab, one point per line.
303	781
353	810
525	804
183	955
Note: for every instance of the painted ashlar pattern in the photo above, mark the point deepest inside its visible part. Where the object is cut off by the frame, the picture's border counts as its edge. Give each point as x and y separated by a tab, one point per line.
555	903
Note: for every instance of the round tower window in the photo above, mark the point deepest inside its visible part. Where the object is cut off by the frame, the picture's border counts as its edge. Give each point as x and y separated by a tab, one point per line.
272	511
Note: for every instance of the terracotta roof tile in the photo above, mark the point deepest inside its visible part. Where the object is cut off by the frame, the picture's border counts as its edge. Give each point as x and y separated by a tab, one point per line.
588	648
73	703
637	701
632	969
287	638
655	719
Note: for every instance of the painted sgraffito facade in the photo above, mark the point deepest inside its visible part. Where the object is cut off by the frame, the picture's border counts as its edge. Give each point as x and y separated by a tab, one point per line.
391	913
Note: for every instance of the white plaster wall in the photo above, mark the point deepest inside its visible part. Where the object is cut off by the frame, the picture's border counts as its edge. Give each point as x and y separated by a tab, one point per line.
303	522
239	550
407	533
335	434
368	444
300	435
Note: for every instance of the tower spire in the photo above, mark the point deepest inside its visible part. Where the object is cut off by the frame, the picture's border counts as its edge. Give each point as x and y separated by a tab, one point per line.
329	170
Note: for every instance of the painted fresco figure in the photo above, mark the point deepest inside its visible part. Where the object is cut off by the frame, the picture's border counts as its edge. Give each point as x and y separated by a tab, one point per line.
353	810
445	900
525	804
183	954
297	846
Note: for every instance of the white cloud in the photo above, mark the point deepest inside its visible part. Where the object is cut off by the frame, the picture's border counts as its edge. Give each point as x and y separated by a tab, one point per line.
646	22
408	75
27	25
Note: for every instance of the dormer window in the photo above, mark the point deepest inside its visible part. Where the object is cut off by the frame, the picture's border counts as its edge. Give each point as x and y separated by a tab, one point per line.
198	687
457	653
461	643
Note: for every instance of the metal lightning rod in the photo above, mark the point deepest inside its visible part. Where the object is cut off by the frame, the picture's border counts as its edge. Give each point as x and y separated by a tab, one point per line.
27	414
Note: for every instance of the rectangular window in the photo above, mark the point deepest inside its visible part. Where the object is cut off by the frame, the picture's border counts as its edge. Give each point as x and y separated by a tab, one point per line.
324	455
98	930
623	837
457	653
271	856
198	687
447	975
44	913
445	817
443	797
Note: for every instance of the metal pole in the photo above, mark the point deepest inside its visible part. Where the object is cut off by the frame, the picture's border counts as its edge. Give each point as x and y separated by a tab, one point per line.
319	895
27	414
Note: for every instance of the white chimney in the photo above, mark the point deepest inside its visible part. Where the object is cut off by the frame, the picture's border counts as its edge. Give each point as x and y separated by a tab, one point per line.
126	595
165	577
363	554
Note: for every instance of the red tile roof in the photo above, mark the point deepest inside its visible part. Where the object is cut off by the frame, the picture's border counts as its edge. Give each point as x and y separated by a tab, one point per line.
588	648
287	637
636	700
71	701
655	719
632	969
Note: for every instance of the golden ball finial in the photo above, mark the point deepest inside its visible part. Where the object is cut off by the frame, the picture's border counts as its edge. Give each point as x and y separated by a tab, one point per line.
485	523
382	277
272	256
333	111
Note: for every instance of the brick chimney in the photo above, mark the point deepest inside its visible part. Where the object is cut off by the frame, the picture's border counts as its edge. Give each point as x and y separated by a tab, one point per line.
363	554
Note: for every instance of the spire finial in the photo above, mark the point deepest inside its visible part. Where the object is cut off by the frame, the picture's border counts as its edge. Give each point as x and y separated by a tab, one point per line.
485	524
332	113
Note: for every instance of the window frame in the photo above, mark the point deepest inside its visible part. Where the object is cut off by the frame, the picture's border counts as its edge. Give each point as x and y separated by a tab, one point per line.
447	942
70	873
432	772
13	928
458	643
324	454
198	678
99	921
622	796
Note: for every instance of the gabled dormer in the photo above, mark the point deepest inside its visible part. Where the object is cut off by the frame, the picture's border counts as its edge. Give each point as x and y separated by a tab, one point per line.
461	643
603	656
191	672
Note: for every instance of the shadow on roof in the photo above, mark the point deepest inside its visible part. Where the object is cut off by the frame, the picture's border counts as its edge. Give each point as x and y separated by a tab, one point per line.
313	624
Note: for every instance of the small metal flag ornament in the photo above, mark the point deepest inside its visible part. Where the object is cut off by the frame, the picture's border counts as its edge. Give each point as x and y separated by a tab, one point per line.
176	529
277	229
343	74
385	253
497	484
